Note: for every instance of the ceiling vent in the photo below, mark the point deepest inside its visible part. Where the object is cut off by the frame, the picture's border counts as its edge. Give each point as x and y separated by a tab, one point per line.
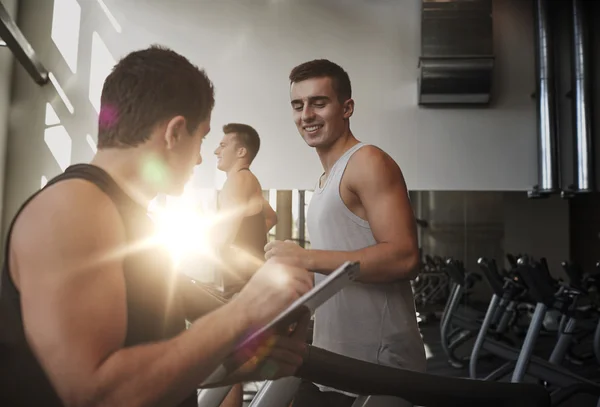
457	61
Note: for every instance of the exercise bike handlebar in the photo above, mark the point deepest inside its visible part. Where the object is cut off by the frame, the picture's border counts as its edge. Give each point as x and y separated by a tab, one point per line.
363	378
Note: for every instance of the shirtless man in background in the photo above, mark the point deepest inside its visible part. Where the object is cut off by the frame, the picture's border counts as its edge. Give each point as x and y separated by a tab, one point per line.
247	215
247	218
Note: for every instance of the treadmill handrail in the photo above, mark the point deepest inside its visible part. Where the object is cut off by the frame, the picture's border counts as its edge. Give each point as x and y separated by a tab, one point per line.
364	378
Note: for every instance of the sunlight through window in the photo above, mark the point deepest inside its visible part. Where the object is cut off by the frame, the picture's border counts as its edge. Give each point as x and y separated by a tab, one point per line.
273	203
59	142
102	64
51	116
91	143
111	18
61	93
66	21
273	199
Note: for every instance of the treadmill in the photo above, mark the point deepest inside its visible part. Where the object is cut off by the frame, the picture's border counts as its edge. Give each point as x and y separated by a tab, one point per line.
371	381
376	385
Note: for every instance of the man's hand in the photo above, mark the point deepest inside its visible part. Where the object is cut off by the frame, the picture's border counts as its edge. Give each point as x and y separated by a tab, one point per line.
273	288
279	356
288	252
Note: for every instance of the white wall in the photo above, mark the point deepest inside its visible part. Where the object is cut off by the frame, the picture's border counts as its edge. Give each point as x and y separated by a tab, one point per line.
6	65
248	48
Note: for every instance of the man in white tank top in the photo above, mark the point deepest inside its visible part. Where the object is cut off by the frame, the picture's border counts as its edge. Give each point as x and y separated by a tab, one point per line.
360	211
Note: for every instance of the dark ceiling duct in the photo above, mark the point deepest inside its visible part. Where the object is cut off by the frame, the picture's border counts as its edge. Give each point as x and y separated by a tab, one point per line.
456	62
581	98
545	104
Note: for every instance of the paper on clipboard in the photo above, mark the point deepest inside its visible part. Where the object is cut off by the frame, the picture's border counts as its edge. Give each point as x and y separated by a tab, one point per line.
310	301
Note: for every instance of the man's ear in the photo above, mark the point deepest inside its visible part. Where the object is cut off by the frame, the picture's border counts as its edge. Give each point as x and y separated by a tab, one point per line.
174	131
348	108
241	152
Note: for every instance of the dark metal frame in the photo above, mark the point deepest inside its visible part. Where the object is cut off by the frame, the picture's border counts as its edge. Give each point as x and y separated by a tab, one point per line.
521	361
301	218
20	47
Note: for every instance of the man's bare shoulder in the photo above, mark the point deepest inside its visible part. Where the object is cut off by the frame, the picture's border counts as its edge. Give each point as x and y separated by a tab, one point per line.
74	197
242	183
66	213
245	176
372	163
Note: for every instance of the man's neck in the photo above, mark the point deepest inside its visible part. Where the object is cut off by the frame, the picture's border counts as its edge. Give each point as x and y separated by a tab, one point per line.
237	167
330	154
127	167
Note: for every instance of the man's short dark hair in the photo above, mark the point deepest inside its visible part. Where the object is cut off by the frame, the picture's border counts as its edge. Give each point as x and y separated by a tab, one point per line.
245	136
147	87
323	68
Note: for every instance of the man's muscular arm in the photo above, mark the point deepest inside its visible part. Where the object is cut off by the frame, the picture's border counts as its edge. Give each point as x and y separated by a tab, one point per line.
67	255
376	179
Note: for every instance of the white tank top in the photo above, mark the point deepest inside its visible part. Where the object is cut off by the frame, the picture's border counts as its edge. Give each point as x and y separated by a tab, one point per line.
372	322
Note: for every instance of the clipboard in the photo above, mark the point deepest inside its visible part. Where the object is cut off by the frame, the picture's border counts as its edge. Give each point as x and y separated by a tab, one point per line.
309	302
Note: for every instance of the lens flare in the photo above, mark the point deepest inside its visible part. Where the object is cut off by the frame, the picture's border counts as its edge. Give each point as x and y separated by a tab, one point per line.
184	231
154	171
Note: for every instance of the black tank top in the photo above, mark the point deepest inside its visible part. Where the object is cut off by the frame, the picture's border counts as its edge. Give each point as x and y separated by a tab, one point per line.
153	312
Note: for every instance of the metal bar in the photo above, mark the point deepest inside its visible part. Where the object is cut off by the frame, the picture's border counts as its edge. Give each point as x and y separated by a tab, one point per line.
506	317
546	106
276	393
445	327
483	331
20	47
582	120
529	343
564	342
301	218
213	397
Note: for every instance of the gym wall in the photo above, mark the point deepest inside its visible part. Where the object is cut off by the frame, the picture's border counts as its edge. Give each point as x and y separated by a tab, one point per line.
6	67
467	225
248	49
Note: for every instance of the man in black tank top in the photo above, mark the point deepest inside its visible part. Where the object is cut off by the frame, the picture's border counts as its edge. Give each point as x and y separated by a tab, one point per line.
247	215
91	310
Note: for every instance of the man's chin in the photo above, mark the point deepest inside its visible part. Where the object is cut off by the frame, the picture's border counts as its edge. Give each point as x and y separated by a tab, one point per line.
314	142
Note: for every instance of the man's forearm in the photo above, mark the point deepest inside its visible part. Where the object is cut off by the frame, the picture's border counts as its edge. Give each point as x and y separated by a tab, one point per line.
164	373
378	264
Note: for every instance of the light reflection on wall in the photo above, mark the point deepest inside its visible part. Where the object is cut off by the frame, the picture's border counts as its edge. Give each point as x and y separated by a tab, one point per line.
101	64
66	19
57	139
